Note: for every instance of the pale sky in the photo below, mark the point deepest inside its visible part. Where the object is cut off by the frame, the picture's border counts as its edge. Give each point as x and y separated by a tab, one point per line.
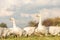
25	10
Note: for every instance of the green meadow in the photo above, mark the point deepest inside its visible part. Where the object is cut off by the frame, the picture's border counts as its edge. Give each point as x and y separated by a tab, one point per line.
32	38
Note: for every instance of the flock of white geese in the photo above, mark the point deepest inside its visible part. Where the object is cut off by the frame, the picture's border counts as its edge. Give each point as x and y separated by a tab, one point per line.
28	31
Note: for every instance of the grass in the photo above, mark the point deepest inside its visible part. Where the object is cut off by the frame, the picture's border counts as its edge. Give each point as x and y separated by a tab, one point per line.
32	38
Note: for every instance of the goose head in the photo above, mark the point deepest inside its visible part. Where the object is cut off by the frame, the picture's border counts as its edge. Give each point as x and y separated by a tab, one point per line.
12	19
37	16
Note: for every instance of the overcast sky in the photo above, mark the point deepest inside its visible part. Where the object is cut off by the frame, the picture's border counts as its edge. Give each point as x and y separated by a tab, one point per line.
25	10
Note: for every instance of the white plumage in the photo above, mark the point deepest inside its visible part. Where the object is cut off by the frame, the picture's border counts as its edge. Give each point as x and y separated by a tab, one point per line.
41	29
1	31
28	31
54	30
15	30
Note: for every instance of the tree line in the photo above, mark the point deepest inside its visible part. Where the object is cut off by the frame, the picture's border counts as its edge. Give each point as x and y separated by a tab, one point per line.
47	22
3	25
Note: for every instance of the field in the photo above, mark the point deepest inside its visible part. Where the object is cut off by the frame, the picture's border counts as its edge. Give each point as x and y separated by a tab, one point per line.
32	38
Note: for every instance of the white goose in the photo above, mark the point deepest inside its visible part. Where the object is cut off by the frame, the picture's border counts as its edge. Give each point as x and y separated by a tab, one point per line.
15	30
41	29
4	32
28	31
54	30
